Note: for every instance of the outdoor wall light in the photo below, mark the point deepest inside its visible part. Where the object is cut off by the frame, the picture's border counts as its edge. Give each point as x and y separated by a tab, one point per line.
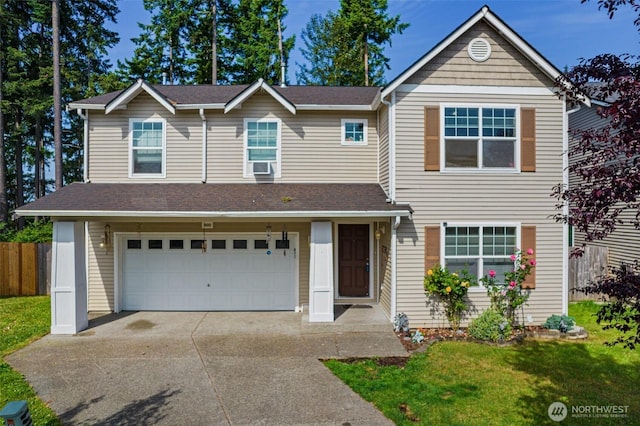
268	232
105	240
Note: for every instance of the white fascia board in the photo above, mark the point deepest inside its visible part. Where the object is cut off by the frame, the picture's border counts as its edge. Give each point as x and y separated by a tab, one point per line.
278	97
433	53
249	91
134	90
78	105
479	90
214	214
243	96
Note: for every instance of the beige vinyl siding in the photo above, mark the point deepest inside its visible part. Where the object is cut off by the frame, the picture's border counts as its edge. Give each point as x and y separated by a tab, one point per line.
385	269
109	143
624	242
101	264
99	271
311	144
383	150
505	67
478	197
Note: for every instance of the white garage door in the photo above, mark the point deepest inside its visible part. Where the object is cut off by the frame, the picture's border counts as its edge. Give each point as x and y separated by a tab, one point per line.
236	273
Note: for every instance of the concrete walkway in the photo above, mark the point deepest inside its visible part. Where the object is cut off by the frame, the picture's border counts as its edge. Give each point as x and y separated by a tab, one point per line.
206	369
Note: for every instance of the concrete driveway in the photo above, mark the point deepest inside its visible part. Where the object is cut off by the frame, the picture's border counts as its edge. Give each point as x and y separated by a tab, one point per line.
204	369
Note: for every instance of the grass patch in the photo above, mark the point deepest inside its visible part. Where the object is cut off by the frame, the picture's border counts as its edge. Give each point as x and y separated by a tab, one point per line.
464	383
23	320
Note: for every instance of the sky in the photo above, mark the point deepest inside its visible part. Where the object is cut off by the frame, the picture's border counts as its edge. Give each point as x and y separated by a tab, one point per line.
563	31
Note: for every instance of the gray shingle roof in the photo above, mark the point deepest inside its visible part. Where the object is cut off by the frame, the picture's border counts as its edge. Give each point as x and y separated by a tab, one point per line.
298	95
197	199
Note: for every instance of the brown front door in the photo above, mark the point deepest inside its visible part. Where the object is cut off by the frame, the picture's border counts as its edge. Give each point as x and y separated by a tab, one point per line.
353	260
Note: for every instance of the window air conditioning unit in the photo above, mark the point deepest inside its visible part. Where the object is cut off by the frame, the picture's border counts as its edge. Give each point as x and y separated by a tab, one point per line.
262	168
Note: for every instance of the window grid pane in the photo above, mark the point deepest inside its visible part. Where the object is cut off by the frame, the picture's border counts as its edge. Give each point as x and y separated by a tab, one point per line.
354	132
465	144
478	250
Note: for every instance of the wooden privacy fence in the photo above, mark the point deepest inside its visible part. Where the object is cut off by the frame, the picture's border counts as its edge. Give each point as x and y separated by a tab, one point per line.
25	269
593	264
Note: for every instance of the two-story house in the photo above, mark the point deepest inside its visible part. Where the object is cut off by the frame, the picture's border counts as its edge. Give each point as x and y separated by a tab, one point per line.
259	197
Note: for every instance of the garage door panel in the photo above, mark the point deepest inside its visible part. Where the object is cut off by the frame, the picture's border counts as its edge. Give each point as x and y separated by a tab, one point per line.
219	279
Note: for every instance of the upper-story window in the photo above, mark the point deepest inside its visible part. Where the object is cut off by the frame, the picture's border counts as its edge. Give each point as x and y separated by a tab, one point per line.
147	144
354	131
481	138
262	147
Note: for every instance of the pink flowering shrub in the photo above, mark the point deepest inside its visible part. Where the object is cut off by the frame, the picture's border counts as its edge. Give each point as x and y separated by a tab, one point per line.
507	296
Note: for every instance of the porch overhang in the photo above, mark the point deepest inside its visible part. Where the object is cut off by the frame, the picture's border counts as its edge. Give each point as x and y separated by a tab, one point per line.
82	201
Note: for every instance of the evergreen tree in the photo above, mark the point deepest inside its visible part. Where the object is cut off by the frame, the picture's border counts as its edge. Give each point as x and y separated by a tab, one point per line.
352	42
254	42
324	38
178	44
27	90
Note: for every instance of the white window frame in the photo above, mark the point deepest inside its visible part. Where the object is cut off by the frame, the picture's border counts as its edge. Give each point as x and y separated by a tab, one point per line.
480	225
365	133
479	139
248	165
164	148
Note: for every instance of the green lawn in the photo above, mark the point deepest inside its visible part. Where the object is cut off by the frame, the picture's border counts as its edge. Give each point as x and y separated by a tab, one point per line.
23	320
464	383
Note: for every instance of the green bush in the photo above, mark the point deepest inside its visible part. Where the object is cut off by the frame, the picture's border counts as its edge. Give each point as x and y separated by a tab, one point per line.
559	322
490	325
33	232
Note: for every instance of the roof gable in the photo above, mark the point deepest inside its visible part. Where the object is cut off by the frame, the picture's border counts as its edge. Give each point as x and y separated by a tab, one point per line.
134	90
484	15
259	85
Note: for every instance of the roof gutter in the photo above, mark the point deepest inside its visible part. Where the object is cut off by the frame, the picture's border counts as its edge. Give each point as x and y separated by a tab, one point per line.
215	214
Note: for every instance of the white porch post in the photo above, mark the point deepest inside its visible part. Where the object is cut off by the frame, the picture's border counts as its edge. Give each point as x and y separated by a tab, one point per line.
321	273
68	279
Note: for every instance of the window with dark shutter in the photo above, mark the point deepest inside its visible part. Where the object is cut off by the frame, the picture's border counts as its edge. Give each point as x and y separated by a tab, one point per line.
431	247
432	138
528	140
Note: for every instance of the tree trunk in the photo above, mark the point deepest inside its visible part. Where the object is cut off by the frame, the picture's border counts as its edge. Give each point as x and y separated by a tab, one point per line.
57	98
366	63
4	207
37	183
214	44
19	174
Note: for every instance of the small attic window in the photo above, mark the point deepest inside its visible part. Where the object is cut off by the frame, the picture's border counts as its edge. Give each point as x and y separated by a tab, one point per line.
479	49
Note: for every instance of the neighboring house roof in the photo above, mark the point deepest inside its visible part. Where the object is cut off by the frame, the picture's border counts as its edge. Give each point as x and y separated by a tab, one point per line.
215	200
227	97
499	25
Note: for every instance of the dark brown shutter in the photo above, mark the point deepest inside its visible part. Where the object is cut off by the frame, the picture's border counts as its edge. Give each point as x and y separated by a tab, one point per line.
528	139
432	138
431	247
528	240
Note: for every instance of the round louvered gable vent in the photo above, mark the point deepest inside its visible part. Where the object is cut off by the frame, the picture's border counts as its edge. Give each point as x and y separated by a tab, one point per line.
479	49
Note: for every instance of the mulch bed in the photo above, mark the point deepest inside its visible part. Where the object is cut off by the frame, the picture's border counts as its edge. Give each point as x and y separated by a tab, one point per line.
432	335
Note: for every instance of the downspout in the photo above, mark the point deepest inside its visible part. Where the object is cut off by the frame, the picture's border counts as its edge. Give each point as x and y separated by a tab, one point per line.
85	146
392	145
565	206
204	145
394	257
